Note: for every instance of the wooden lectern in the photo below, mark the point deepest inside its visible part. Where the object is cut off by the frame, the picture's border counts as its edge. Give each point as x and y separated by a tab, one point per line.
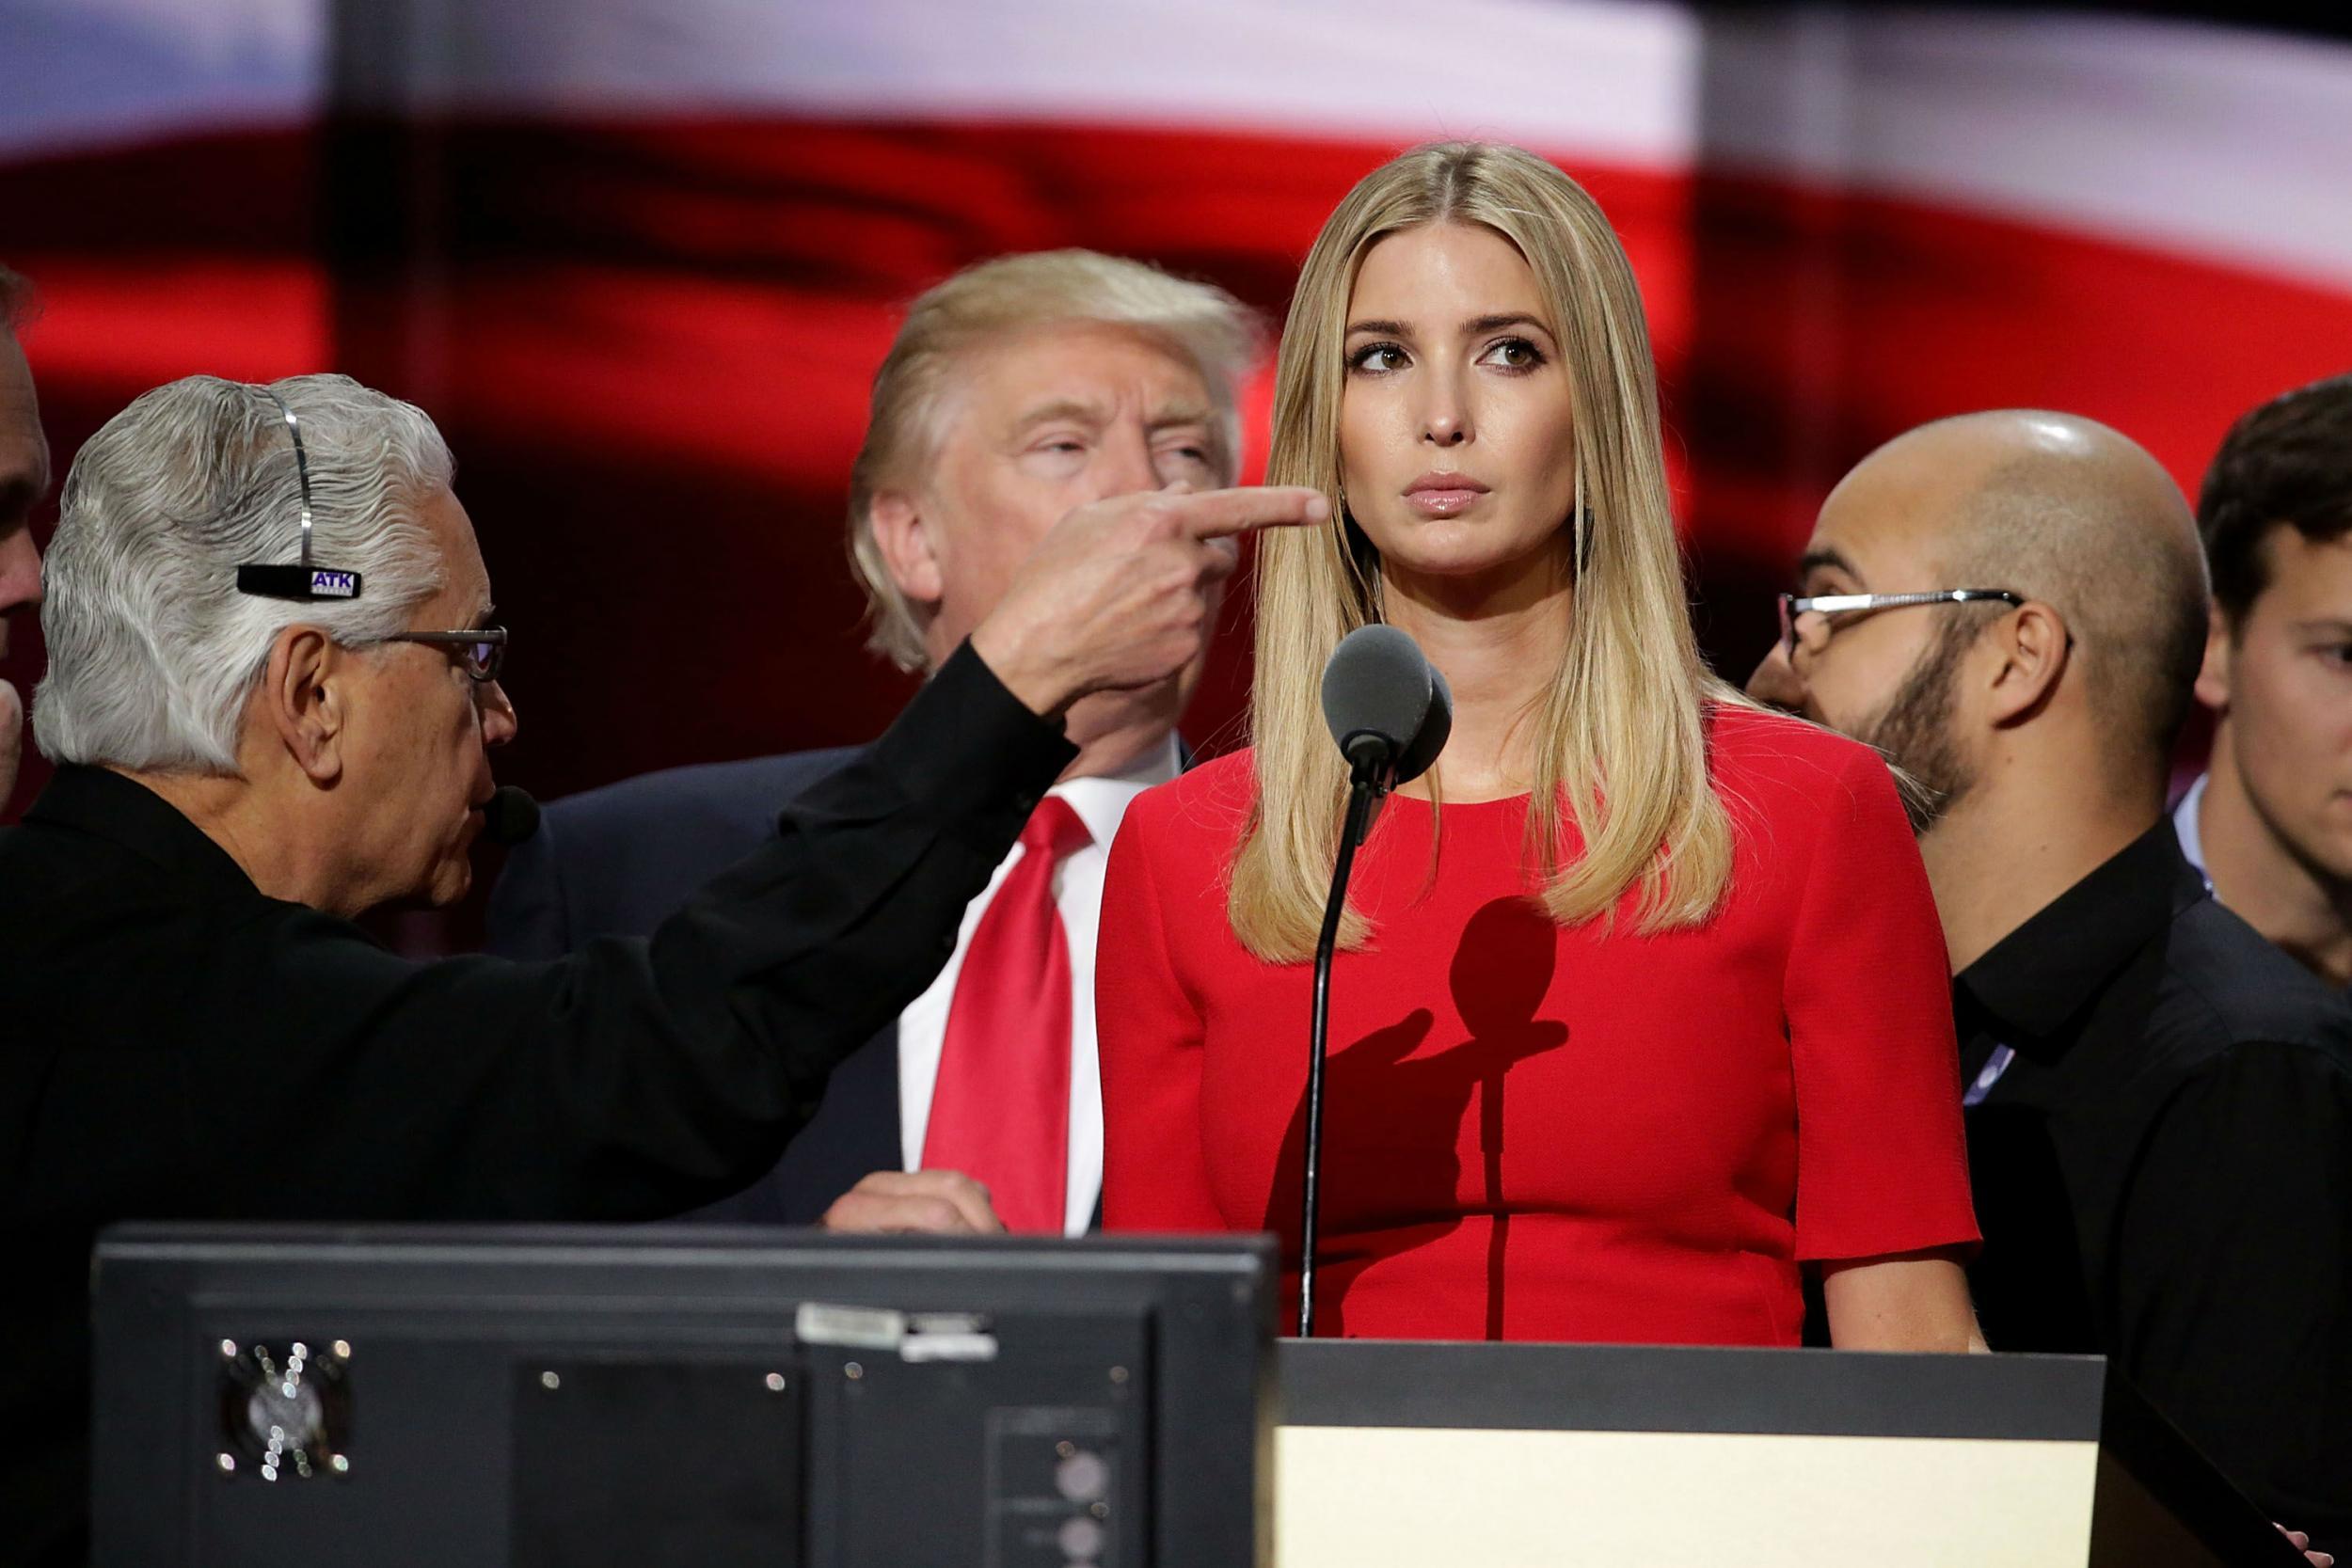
1626	1456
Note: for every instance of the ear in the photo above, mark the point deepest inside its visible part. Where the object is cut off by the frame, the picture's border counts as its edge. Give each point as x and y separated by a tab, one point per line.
2034	652
909	549
304	696
2213	678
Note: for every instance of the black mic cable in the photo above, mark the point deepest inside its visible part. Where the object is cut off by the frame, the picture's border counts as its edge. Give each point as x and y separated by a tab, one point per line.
1390	712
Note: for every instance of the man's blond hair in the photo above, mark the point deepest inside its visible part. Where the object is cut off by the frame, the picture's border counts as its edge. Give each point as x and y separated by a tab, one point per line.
1199	322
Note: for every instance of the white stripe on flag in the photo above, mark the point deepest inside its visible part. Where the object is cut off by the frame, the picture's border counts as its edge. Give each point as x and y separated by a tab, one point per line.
77	73
2191	136
2197	137
1614	78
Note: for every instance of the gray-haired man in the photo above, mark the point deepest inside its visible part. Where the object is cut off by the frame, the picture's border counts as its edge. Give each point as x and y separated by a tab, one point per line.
272	690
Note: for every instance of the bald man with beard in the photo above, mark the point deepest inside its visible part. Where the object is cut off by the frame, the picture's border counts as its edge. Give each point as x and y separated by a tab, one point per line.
2012	606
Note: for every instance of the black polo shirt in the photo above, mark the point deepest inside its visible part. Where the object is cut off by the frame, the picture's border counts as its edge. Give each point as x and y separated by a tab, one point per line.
2161	1144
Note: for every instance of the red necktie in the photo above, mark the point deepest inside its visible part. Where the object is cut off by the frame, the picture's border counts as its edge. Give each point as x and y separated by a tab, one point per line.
1000	1111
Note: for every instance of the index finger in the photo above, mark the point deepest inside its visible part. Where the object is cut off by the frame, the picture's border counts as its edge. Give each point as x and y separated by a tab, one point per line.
1215	514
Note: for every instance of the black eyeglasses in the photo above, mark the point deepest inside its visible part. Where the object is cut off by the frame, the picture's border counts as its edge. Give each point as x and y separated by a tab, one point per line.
481	649
1842	603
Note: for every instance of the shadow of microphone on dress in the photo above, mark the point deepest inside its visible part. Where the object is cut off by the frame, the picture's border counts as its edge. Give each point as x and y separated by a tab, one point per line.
1392	1108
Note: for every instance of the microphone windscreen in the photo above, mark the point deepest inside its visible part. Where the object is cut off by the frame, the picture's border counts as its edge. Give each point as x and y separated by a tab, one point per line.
510	815
1377	683
1436	727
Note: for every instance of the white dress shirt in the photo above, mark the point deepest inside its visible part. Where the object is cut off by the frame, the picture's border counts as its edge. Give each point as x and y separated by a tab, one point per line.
2184	825
1100	803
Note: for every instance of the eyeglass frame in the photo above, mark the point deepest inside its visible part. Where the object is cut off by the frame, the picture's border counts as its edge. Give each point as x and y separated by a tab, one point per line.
463	639
1792	606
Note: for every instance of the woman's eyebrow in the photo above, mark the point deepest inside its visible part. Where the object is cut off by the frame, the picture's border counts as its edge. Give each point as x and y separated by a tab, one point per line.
1509	318
1494	323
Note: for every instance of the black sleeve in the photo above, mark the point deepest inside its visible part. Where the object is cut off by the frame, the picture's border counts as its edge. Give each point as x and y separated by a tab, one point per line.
526	916
2232	1278
635	1078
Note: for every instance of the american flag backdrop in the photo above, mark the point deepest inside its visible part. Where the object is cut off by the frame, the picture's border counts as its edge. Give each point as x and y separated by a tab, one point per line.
641	257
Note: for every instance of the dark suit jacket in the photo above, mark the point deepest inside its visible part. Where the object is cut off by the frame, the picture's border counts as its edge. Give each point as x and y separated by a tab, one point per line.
617	860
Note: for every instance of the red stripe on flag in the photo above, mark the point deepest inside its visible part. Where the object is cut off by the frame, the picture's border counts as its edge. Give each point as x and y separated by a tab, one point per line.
650	344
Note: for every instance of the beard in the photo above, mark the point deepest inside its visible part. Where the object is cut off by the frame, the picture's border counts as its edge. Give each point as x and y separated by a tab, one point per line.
1914	732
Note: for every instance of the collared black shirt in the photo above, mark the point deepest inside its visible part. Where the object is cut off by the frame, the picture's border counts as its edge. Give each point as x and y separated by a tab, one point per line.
2164	1170
175	1044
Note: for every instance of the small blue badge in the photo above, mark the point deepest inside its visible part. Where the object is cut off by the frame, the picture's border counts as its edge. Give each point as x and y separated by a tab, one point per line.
335	585
1994	1065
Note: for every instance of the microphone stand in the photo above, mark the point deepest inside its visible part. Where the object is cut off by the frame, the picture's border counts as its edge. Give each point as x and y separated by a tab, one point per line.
1369	776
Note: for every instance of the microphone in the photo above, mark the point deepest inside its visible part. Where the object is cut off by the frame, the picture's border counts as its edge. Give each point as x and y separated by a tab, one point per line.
1387	705
510	815
1390	712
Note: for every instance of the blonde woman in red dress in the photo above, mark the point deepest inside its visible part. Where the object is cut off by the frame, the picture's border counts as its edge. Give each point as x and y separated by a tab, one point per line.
1643	1008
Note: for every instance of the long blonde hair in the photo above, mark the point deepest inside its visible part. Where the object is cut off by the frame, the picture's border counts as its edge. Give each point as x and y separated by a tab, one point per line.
1621	739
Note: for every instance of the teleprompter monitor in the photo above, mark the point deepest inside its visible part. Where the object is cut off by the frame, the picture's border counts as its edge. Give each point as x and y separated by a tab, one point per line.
692	1395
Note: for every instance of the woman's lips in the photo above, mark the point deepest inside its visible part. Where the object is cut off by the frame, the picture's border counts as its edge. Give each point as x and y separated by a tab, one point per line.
1444	494
1444	500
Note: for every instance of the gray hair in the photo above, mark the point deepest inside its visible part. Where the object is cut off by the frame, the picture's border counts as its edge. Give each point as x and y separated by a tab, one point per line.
152	650
1203	324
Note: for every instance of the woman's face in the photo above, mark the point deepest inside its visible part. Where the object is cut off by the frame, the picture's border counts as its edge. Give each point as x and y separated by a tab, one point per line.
1457	439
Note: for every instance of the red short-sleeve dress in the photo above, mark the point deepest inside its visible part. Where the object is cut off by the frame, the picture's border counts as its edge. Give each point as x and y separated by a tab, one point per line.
1538	1132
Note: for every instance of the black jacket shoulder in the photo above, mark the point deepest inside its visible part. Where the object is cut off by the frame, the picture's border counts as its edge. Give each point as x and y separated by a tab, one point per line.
615	861
2228	987
744	792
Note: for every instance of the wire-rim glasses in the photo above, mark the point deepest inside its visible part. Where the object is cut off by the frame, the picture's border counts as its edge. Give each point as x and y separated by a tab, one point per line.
481	650
1792	606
